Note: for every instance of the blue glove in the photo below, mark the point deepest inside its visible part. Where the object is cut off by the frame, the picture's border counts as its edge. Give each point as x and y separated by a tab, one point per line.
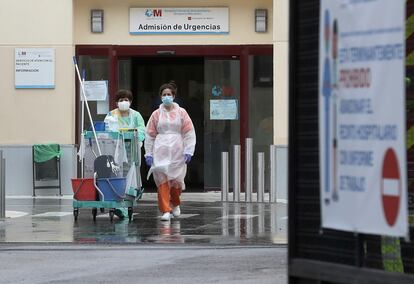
149	161
187	158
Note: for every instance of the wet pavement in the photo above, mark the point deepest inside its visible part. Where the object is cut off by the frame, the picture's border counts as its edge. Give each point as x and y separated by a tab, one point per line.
51	220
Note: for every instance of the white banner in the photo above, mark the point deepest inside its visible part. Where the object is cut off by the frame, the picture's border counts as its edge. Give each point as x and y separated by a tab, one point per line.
34	68
179	20
224	110
95	90
362	124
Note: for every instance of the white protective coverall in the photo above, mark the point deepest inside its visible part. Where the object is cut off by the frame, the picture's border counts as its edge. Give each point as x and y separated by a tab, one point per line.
169	135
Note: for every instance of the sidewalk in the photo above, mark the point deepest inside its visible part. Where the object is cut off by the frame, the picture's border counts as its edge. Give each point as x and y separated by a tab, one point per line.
211	242
210	196
142	264
204	220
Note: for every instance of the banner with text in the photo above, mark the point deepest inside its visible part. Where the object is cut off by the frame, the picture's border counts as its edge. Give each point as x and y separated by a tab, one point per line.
179	20
362	129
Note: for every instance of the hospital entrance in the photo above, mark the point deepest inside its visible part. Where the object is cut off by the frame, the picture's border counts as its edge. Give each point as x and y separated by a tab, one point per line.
227	92
196	79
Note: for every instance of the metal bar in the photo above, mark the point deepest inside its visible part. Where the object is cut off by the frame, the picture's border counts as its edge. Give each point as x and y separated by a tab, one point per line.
224	176
273	219
82	125
46	186
249	170
225	219
34	173
261	222
249	220
260	176
281	173
2	186
237	230
327	272
60	175
272	193
236	173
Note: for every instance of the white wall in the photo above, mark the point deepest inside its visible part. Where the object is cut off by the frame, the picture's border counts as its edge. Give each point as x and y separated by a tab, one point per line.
281	94
37	116
116	23
40	116
281	71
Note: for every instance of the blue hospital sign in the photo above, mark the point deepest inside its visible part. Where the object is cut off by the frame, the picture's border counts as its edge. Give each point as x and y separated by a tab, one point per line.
362	116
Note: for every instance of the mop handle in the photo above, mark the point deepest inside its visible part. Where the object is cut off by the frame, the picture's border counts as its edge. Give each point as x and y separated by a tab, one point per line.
87	105
83	101
83	122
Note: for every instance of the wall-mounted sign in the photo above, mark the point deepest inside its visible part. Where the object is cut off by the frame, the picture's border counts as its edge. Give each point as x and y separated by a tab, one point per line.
34	68
362	123
224	110
179	20
95	90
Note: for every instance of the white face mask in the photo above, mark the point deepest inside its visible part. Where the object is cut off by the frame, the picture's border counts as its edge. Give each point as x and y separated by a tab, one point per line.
124	106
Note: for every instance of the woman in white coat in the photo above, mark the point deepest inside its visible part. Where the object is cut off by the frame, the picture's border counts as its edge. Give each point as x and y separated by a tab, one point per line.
169	145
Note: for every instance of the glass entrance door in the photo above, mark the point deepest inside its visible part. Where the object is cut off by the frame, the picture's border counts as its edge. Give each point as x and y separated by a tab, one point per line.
146	75
209	89
221	115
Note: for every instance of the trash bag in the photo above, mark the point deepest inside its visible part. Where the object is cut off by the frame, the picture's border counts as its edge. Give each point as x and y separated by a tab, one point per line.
105	167
46	152
81	152
120	155
131	179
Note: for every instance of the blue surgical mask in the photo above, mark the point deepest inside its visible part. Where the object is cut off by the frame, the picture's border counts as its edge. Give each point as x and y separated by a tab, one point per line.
167	100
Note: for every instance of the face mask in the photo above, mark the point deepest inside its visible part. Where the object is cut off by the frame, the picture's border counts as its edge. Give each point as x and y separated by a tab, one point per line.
167	100
123	106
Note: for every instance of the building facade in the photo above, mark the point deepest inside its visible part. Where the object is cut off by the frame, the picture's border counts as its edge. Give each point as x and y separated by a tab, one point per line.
238	71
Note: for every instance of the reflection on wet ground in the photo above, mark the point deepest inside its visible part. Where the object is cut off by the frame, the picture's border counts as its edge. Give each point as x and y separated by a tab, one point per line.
51	220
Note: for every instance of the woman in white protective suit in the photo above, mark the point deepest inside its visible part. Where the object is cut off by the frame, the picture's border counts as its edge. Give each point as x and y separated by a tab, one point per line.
169	145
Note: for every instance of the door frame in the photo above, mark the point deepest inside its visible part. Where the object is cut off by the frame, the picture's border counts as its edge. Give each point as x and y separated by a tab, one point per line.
117	52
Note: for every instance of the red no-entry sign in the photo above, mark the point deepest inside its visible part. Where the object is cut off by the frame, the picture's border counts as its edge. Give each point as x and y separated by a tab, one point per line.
391	187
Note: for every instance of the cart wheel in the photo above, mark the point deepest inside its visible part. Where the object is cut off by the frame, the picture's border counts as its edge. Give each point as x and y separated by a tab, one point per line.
111	214
94	213
130	212
75	214
102	210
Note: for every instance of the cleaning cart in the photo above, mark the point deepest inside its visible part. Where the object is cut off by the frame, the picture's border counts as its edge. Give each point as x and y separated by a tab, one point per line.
112	180
110	163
